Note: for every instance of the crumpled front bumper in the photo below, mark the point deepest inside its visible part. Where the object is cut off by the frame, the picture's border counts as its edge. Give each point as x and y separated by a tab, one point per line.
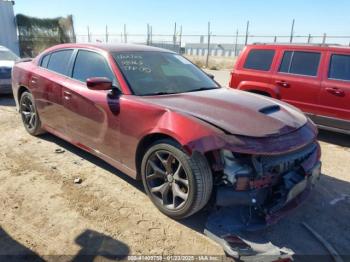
226	227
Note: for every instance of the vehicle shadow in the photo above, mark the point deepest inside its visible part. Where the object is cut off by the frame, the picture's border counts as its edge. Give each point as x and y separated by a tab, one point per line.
7	100
92	159
11	250
94	244
334	138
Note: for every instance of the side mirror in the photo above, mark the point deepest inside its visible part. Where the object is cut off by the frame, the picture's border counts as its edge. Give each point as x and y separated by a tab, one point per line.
99	83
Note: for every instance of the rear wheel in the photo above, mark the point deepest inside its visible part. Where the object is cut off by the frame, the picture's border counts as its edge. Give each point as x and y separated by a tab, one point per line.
30	117
177	184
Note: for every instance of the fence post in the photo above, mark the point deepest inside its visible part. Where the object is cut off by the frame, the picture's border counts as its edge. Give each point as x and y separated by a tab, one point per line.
147	39
106	34
275	39
292	32
180	41
88	31
125	35
174	36
309	39
324	38
236	44
247	33
208	53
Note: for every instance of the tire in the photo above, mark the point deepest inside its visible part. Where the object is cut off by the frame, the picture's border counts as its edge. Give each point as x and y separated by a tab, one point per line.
177	184
30	116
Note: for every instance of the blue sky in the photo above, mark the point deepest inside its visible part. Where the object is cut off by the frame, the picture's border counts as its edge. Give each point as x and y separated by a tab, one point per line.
226	16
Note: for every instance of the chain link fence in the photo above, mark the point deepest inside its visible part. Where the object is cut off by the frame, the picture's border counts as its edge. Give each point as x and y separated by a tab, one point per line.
207	50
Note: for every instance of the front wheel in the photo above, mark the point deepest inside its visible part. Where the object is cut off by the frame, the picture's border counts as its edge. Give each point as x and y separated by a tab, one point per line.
177	184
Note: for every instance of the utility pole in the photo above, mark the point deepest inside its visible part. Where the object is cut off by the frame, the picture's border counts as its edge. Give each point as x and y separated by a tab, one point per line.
247	33
208	53
125	35
106	34
292	32
236	44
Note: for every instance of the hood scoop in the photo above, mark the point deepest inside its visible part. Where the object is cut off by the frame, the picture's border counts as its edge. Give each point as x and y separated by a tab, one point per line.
270	109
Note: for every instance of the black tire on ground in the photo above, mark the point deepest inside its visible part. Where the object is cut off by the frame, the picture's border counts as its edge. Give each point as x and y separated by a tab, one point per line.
177	184
29	113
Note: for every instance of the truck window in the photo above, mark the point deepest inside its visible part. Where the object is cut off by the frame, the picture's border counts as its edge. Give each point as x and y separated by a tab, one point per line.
300	63
259	59
339	67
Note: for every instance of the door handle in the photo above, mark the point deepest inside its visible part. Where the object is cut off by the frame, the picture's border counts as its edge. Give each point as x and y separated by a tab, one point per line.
335	91
282	83
67	95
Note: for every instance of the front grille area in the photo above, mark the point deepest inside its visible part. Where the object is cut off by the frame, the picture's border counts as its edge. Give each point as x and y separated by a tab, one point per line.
5	72
285	163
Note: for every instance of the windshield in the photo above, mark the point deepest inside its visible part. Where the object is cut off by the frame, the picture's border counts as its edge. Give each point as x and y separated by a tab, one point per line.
8	55
158	73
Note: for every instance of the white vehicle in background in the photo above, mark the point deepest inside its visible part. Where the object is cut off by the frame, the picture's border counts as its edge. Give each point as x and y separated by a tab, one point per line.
7	60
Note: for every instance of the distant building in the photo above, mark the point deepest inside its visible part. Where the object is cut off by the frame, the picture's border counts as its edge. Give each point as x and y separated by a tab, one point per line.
8	27
200	49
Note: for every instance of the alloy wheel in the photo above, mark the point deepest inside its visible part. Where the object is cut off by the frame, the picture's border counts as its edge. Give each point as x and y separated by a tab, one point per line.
167	180
28	112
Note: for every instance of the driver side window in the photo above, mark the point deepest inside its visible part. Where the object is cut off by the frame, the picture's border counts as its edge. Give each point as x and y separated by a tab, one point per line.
90	64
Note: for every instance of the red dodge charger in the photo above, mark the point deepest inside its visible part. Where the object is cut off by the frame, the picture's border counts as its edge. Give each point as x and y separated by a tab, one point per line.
157	117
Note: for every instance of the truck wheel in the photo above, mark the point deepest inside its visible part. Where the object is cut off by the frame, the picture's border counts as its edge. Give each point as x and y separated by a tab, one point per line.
177	184
29	113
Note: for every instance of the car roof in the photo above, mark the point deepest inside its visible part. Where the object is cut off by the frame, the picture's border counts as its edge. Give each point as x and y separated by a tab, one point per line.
319	47
112	47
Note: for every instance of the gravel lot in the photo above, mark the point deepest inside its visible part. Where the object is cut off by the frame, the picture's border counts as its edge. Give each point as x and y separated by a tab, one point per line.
42	211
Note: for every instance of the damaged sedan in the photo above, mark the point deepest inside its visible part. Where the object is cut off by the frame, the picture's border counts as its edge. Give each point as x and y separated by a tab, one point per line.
157	117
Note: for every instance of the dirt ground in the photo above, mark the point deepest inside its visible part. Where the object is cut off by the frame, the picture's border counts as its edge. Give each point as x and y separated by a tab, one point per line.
42	211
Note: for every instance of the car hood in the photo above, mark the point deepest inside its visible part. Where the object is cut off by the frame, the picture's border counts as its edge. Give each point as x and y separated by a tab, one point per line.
235	112
6	63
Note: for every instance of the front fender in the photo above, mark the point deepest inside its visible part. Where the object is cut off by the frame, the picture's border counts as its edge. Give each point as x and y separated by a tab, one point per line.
191	132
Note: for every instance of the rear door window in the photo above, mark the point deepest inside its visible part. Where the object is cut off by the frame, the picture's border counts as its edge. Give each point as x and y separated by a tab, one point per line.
59	61
45	61
259	59
300	63
90	64
339	68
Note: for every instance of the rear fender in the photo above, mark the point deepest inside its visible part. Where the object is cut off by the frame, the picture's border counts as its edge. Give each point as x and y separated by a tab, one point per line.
252	86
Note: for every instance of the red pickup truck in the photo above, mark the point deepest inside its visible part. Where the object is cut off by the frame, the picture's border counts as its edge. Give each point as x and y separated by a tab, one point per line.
314	78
